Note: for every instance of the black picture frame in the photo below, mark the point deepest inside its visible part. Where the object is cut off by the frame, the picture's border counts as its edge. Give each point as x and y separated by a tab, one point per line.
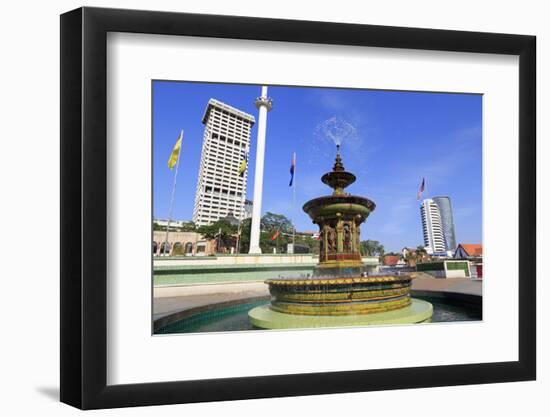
84	207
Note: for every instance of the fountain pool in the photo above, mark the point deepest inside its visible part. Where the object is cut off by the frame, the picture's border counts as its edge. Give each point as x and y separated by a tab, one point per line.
235	317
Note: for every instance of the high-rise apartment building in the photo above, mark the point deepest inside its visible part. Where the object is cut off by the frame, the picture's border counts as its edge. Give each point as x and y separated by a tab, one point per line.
447	221
434	240
221	187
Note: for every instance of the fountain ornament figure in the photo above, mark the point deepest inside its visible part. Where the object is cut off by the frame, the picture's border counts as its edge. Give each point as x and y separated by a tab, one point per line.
340	291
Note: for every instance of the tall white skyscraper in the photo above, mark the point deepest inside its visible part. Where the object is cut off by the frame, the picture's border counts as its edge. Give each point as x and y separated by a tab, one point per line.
221	188
434	240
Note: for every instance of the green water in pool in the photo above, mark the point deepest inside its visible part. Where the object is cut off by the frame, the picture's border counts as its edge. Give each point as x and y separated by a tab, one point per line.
235	317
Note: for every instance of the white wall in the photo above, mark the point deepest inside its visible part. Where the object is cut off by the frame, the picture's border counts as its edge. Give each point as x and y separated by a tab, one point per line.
29	173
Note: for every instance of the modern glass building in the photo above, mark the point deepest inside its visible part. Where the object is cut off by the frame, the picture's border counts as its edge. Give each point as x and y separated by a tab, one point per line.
447	222
221	186
432	230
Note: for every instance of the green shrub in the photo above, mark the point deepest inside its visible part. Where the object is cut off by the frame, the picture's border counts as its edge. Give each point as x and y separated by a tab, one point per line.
430	266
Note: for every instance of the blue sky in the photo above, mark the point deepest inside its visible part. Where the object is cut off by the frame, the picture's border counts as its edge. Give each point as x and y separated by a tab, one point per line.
399	137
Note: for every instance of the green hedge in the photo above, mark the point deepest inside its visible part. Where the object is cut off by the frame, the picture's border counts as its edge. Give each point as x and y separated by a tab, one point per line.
430	266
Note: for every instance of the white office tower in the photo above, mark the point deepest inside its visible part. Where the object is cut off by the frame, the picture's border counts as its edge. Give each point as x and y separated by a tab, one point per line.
434	240
221	187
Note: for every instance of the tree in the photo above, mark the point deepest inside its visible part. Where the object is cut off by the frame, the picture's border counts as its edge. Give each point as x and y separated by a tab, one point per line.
187	227
421	249
421	254
411	258
269	224
272	221
372	248
310	242
222	231
244	239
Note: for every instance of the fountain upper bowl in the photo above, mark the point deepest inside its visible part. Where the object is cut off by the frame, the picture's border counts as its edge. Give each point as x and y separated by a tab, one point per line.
343	204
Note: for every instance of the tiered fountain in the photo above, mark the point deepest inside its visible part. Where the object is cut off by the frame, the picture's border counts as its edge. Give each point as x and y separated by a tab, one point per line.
340	292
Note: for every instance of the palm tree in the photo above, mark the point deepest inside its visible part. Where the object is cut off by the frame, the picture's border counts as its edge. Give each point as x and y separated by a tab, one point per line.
411	258
421	253
372	248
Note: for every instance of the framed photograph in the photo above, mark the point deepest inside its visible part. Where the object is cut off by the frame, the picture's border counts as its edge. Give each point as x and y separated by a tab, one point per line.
256	208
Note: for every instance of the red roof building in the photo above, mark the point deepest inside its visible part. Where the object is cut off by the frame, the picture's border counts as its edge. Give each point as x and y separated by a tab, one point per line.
391	260
469	250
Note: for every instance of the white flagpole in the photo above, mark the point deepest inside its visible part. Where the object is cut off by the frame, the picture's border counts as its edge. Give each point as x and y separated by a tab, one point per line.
239	229
242	212
294	205
171	206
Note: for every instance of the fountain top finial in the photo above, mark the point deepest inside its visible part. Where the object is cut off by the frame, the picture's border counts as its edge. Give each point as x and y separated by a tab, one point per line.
338	165
338	178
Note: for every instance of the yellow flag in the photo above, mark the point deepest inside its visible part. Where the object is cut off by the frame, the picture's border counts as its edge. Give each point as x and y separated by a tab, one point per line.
244	163
242	167
172	161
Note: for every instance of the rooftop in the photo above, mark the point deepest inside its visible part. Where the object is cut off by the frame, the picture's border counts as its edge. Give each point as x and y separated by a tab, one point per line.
216	103
472	249
391	260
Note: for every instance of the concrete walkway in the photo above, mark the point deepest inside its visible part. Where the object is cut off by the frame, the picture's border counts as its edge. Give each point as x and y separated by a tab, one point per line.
172	299
449	285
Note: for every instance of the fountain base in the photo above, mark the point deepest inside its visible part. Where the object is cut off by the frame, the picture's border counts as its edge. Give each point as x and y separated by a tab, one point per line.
264	317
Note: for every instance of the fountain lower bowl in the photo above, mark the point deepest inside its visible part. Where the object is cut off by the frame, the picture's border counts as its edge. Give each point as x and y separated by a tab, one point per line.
343	301
418	311
340	296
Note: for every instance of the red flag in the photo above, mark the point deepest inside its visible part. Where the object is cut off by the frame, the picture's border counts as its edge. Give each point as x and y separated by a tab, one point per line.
276	233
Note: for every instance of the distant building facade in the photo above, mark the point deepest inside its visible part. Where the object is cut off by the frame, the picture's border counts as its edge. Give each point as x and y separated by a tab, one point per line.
221	188
309	233
231	219
432	229
248	204
447	222
173	223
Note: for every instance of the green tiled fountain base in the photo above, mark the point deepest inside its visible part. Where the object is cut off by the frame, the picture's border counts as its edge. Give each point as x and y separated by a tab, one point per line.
263	317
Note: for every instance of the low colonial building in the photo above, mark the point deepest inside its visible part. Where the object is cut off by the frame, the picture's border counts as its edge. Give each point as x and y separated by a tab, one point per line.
182	243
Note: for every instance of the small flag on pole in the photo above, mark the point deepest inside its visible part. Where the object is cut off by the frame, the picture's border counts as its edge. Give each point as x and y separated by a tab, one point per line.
244	163
292	168
276	234
174	156
421	189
